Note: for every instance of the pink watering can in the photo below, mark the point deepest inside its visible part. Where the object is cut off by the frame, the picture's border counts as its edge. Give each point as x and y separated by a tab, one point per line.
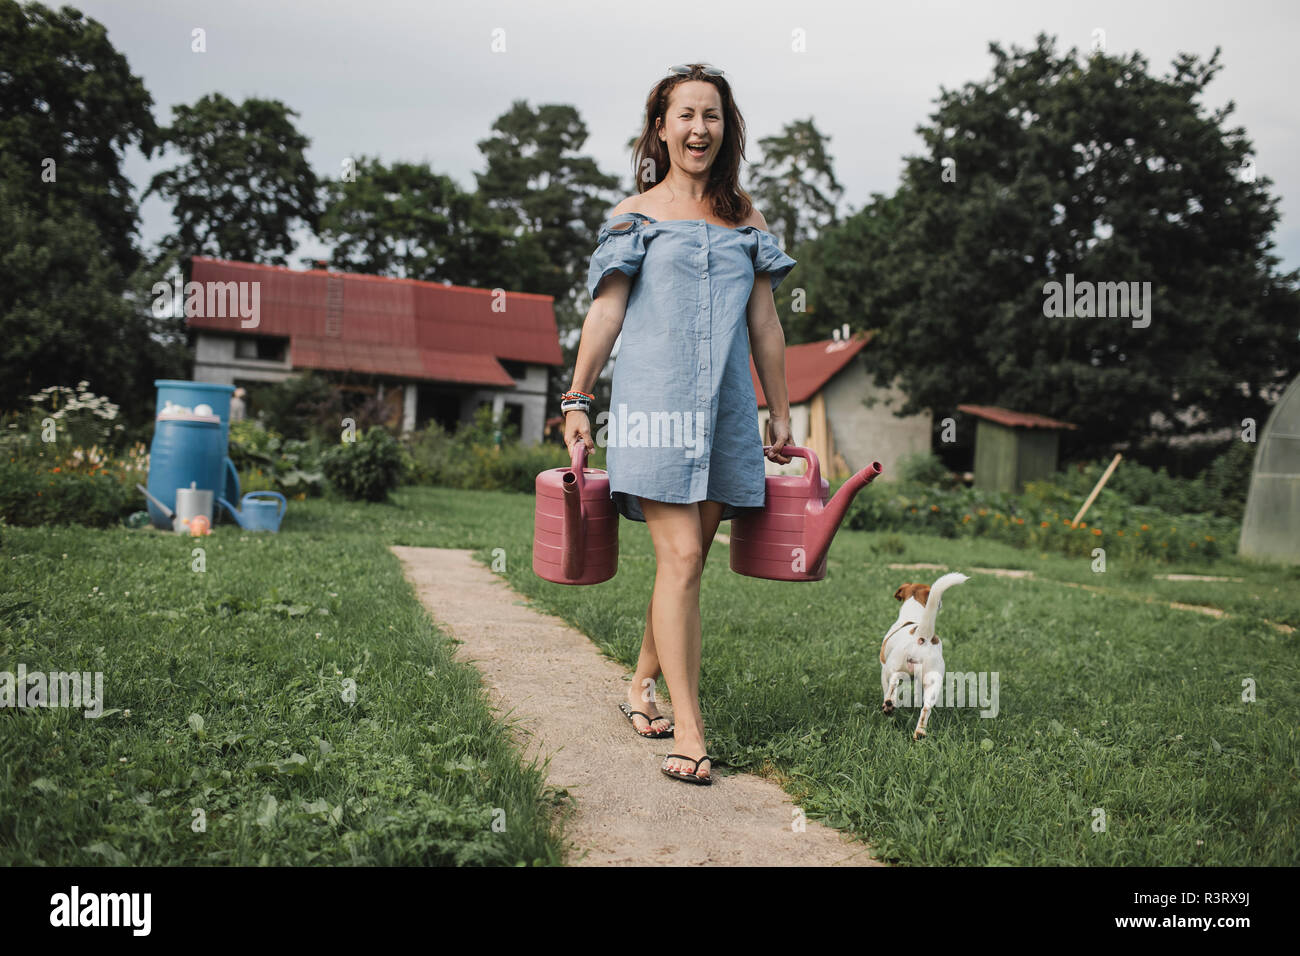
789	538
575	527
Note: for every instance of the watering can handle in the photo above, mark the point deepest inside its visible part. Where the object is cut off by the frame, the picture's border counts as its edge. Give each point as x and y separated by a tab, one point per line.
578	462
270	494
812	471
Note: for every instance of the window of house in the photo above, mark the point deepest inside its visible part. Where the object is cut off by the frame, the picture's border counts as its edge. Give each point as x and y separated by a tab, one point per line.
516	370
264	348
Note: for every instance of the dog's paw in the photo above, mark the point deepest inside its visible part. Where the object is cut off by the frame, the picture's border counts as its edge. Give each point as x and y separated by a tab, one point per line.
887	707
918	734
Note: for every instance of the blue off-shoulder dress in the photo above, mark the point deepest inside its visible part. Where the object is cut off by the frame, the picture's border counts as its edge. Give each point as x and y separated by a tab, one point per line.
683	419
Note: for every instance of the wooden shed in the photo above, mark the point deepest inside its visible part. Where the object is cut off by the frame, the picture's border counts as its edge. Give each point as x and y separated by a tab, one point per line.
1012	448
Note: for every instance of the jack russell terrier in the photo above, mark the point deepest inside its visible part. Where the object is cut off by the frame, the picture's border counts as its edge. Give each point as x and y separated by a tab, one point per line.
911	648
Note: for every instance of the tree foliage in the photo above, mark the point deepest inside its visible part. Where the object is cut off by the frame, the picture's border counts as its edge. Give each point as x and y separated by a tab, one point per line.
245	184
70	269
794	183
1091	168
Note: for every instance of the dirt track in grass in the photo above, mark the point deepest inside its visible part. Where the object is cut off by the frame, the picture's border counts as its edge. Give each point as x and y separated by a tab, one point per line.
561	694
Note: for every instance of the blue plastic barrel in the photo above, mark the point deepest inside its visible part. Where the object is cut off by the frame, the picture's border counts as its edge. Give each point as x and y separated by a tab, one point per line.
183	451
191	394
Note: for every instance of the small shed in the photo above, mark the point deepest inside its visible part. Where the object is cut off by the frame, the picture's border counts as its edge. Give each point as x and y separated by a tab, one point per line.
1012	448
1270	530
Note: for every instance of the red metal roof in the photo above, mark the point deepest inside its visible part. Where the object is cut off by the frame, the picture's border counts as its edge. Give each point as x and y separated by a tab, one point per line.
1012	419
810	366
399	327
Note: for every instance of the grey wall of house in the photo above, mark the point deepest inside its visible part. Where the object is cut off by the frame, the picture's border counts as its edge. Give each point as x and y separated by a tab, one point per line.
529	392
215	362
863	435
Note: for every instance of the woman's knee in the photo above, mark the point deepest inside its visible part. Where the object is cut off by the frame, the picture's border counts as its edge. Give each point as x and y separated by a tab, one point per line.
683	560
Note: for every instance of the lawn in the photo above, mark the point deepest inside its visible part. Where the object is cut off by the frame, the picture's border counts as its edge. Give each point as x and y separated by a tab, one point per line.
1113	709
226	692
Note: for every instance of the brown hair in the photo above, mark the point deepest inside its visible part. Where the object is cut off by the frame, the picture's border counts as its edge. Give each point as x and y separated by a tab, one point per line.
730	202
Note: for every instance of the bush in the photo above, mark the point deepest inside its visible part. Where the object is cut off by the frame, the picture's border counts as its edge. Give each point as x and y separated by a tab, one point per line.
30	498
925	468
1040	519
473	459
268	462
308	406
367	470
1220	490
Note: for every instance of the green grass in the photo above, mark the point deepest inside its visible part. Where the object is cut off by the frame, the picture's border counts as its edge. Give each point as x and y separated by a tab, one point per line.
1106	701
234	683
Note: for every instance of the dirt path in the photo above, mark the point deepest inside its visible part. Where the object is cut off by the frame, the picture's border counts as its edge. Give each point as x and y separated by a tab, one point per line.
563	695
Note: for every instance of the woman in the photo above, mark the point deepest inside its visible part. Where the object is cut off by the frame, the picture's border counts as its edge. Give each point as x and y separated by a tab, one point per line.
685	270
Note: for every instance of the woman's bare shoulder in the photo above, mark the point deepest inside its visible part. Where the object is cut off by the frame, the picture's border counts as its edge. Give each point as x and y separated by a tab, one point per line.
630	204
756	219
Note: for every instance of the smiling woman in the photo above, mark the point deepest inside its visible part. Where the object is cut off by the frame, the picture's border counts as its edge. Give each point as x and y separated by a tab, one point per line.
685	273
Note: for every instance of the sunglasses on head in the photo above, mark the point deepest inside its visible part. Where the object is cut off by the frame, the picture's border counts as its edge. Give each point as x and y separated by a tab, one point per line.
685	69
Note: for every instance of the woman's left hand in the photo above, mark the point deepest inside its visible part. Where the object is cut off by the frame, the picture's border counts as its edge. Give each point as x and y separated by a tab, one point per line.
778	435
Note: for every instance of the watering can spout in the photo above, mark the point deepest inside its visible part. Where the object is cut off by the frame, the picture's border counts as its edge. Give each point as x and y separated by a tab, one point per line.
574	535
824	522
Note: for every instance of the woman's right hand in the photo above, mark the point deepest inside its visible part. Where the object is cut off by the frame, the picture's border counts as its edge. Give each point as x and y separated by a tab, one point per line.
577	427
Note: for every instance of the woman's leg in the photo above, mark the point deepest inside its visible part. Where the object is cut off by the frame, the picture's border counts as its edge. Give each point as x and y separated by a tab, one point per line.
674	615
641	695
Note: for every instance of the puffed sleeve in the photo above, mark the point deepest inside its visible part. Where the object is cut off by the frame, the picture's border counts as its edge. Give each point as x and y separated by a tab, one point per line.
620	247
768	257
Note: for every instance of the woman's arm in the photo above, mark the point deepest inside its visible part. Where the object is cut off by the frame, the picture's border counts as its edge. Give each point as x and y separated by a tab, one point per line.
767	342
600	329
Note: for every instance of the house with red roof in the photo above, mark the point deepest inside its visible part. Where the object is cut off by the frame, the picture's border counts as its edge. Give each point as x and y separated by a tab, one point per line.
432	352
839	412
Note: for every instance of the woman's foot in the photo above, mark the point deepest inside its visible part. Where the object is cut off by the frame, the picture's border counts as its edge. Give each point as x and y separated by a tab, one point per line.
656	724
693	747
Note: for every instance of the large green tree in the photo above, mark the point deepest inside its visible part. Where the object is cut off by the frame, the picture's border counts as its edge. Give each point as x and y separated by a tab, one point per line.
405	220
70	108
1093	168
794	183
530	225
70	267
244	185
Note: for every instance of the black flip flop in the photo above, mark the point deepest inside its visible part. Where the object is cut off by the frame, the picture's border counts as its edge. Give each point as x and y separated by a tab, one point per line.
630	713
691	777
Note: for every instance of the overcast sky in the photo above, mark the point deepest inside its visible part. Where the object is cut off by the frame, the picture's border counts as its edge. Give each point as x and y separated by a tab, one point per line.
407	80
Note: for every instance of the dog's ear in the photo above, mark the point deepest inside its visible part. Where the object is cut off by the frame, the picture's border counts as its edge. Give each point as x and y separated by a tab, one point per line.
922	593
905	592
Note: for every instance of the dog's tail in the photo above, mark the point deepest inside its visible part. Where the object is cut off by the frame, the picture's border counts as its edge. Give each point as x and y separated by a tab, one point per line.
925	628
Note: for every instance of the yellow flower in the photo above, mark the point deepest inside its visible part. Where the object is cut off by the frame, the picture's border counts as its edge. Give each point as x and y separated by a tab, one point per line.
934	507
1043	525
1097	532
1146	527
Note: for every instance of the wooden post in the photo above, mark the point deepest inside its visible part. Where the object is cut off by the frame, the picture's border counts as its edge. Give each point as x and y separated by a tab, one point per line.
1096	490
